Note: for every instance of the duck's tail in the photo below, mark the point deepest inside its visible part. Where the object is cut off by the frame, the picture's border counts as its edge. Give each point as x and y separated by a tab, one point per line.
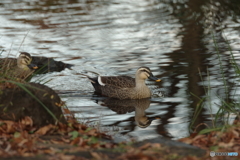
92	80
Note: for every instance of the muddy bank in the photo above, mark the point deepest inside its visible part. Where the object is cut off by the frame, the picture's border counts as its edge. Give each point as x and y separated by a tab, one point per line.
37	101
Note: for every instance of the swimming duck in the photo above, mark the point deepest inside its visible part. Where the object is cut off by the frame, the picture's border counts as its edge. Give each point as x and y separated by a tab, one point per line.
20	68
125	87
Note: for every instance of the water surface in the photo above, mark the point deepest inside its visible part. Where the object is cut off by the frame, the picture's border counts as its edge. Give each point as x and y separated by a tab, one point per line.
176	39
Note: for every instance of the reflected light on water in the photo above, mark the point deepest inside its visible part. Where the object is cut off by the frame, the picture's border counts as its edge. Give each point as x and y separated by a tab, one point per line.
115	38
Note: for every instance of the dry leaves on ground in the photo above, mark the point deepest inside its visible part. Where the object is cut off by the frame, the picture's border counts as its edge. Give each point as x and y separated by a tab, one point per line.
23	139
220	141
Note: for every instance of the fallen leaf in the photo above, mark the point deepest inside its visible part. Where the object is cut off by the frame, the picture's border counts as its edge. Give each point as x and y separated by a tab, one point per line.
199	137
92	132
22	142
67	157
96	155
186	140
44	130
27	121
225	145
66	111
145	146
156	145
50	151
9	125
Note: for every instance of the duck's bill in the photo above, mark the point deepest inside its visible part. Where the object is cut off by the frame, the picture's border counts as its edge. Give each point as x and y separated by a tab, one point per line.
155	79
33	66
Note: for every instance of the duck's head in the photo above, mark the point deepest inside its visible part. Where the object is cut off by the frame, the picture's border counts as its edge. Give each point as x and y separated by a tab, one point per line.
145	73
24	61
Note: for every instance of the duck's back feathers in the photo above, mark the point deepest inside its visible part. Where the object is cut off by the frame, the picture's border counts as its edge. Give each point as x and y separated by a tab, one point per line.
117	81
112	81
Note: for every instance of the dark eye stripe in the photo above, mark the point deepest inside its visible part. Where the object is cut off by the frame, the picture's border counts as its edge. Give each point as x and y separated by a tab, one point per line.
144	70
26	58
149	73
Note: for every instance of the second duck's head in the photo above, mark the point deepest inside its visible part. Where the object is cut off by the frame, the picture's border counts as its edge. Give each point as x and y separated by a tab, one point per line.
144	73
24	61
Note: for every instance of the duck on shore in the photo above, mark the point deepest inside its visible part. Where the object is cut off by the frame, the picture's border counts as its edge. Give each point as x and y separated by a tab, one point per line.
17	69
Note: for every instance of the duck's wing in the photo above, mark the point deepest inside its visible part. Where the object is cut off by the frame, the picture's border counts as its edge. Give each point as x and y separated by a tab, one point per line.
116	81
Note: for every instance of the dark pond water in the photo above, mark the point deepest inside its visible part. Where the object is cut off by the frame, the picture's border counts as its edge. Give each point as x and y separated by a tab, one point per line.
178	39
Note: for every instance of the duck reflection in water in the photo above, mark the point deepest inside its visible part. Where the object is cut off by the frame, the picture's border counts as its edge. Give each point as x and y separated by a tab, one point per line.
125	106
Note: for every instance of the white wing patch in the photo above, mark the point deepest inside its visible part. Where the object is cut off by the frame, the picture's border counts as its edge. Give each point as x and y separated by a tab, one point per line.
100	81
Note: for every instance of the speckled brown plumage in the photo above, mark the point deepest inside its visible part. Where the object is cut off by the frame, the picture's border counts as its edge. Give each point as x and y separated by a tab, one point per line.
119	81
124	87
